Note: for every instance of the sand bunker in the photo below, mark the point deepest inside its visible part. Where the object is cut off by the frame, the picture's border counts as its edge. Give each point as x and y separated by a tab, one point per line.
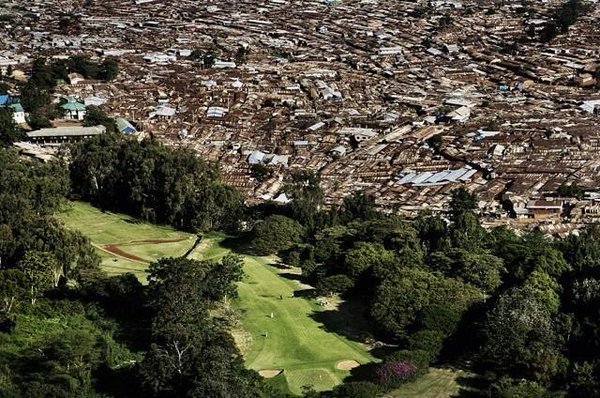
270	373
347	364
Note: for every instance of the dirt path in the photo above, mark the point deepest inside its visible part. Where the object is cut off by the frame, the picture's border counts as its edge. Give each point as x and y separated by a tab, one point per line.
114	249
150	241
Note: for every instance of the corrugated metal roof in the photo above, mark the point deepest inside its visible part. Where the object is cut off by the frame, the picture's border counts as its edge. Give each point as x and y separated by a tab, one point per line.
67	131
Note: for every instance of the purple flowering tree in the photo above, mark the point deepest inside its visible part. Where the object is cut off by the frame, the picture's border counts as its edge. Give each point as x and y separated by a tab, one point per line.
394	373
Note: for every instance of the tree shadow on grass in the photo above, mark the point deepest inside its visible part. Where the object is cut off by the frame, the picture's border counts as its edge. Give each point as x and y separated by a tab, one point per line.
238	244
349	320
306	293
292	276
472	386
365	372
130	220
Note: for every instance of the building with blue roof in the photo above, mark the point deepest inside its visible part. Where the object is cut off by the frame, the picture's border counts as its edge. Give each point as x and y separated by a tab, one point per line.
7	101
124	126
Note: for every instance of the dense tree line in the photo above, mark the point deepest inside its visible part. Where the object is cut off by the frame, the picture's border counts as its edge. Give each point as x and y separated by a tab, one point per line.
47	347
153	182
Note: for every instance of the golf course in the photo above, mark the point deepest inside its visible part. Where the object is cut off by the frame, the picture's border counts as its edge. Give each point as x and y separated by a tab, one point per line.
277	334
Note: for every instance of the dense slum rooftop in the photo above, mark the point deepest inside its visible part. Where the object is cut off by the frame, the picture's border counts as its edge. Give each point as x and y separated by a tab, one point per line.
405	99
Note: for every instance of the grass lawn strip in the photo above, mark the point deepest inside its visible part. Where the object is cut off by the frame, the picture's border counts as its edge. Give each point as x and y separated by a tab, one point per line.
294	341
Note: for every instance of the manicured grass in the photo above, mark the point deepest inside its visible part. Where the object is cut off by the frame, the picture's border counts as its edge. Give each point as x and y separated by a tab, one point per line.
438	383
160	250
107	228
294	341
114	265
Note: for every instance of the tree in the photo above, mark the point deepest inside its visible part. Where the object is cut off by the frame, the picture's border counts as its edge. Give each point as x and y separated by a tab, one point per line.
209	59
355	389
462	201
109	69
478	268
223	276
510	388
545	289
430	341
13	284
518	328
82	65
582	252
366	257
276	233
400	301
190	355
241	55
260	172
40	270
70	357
34	97
41	75
150	181
572	190
95	116
358	206
334	284
307	199
38	120
9	132
433	231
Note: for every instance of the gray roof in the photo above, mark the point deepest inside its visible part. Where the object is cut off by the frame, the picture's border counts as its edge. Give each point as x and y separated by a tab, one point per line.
67	131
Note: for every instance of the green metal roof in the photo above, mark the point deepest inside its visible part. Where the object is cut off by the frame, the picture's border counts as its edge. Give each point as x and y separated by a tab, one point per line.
73	105
16	107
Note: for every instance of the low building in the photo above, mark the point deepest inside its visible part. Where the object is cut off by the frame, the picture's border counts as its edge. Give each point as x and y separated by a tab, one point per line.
73	110
124	126
61	135
18	113
544	208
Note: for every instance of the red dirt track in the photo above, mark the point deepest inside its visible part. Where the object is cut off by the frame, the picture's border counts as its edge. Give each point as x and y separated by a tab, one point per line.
114	248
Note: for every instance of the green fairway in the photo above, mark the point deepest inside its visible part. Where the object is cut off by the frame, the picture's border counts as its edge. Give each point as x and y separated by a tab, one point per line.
291	340
123	243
